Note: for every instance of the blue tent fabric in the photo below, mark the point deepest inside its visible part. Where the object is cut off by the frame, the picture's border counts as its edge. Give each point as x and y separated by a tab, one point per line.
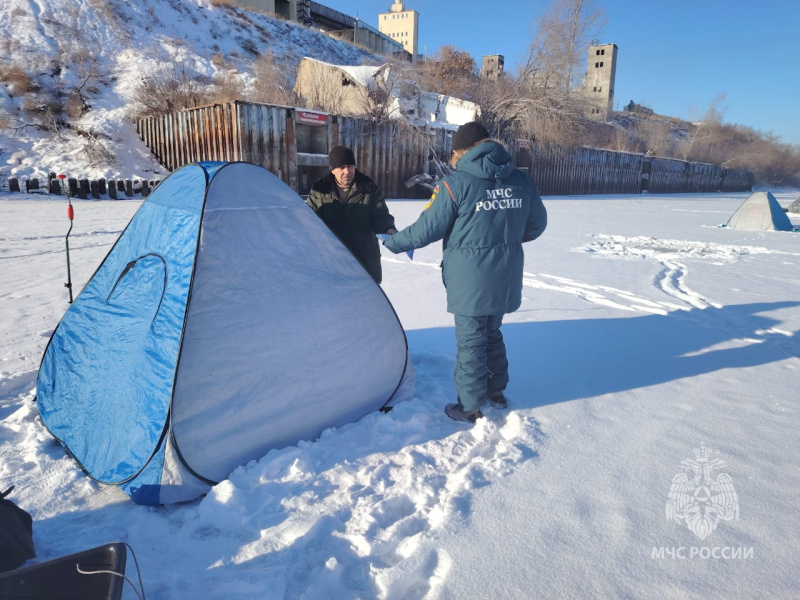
186	354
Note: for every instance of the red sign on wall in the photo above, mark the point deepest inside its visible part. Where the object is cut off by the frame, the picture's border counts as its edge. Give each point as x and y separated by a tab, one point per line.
311	118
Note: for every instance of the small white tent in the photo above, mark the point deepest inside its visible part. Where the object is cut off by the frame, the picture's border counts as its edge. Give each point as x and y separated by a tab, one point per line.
226	321
760	212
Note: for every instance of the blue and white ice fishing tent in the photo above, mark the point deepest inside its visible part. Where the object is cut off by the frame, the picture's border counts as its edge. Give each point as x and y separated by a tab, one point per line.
227	320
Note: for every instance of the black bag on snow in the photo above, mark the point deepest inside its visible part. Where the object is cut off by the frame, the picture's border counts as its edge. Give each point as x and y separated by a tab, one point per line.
16	534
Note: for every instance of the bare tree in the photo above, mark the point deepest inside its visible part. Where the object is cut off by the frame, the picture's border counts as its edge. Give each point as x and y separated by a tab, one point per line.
703	145
532	105
169	87
539	102
228	86
657	137
564	36
450	72
89	73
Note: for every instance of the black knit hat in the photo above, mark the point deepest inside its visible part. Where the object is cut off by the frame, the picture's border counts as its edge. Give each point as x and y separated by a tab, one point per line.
469	134
341	156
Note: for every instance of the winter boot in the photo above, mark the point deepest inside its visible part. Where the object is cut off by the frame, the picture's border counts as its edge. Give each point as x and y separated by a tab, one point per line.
457	413
498	400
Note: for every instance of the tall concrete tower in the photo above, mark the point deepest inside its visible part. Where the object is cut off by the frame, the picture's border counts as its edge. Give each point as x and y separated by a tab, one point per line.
493	65
601	70
401	25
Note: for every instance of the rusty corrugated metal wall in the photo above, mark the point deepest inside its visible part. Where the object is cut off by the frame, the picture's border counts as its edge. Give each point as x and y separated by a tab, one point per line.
390	153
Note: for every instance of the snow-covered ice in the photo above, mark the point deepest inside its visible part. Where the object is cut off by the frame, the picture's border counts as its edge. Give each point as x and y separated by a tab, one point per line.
645	331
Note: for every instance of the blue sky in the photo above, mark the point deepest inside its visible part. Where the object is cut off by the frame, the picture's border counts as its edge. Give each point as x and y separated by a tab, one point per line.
675	57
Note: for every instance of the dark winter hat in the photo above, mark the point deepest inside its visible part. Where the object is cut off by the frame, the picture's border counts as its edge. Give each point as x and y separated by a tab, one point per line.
469	134
341	156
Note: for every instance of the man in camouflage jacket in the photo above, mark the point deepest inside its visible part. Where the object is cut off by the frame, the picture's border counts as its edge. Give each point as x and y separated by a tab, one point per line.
353	207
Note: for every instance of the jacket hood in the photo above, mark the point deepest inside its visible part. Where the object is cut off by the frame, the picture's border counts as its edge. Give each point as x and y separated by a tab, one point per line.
487	160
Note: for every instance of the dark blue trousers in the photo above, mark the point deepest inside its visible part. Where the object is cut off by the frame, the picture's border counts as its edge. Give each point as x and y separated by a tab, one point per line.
481	363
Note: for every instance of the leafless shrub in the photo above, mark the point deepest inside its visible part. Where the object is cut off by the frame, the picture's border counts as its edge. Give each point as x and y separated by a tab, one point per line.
623	140
736	146
19	80
220	61
46	111
657	137
75	106
152	19
273	83
248	45
89	73
228	87
532	105
95	150
377	102
169	88
450	72
46	17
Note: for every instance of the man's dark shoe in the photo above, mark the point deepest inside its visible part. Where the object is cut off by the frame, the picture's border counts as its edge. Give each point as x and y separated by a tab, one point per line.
456	412
498	400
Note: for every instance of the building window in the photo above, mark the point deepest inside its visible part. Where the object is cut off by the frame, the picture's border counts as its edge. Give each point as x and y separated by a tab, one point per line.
602	51
597	53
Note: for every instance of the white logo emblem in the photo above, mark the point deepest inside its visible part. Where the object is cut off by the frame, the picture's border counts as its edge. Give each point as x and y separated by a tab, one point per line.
702	496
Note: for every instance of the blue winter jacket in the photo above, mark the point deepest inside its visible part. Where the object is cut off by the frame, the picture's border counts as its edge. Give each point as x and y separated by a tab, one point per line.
483	212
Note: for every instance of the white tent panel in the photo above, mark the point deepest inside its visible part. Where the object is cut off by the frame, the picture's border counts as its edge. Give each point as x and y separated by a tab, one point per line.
286	334
760	212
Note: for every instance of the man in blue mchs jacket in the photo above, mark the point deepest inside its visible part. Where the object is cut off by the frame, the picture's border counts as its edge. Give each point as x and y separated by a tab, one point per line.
483	212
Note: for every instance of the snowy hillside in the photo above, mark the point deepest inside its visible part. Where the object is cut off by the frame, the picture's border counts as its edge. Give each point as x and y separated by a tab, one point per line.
100	51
